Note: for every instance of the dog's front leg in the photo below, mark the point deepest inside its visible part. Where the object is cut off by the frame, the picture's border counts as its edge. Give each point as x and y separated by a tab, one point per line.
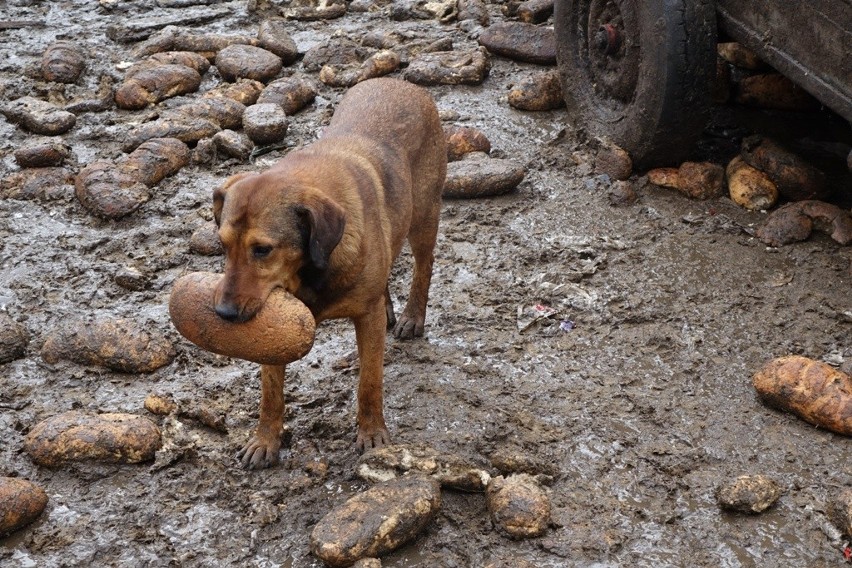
370	335
262	448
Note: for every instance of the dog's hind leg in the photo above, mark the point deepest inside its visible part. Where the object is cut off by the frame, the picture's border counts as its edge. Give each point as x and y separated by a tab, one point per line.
389	308
422	240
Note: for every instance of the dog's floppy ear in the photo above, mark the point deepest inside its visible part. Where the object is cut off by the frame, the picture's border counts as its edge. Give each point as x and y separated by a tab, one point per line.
220	192
325	221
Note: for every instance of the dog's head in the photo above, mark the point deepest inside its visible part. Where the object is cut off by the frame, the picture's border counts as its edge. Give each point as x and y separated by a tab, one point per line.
274	232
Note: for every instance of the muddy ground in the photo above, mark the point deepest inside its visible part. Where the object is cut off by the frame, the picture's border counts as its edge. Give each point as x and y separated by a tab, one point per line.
641	410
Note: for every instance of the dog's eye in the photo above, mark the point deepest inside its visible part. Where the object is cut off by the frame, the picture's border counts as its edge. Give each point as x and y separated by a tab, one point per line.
261	251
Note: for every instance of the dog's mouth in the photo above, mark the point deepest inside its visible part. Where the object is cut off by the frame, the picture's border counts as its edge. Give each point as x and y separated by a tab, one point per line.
233	314
239	309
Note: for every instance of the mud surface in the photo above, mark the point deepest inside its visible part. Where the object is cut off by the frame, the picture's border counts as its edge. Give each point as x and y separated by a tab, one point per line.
643	407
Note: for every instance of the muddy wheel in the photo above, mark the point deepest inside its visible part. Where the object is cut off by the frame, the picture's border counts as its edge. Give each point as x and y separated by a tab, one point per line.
638	72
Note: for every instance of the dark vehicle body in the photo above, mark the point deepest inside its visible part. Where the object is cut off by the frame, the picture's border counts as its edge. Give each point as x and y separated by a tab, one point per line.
639	73
809	42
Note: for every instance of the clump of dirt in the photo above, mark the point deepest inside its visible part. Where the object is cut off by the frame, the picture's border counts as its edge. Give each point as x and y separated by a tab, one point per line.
613	345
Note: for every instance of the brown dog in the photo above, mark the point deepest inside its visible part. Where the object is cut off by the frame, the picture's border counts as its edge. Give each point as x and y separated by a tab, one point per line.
326	223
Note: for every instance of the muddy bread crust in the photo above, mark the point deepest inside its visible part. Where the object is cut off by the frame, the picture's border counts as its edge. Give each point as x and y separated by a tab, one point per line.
282	332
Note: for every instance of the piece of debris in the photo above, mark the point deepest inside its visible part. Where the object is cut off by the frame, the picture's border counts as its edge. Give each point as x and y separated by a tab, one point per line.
120	344
796	179
748	493
774	91
521	42
518	505
794	222
77	436
376	521
451	471
240	61
462	140
21	503
538	92
812	390
63	62
480	176
38	116
749	187
449	68
699	180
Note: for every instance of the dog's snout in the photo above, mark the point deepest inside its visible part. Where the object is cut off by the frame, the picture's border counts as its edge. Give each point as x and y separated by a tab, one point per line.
228	312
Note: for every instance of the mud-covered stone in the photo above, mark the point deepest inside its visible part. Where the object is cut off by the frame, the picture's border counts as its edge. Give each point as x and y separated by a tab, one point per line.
462	140
309	10
244	91
63	62
812	390
748	493
185	58
451	471
14	339
449	68
150	86
518	505
183	126
108	191
335	51
839	511
38	116
794	222
376	521
38	183
156	159
701	180
377	65
115	343
473	10
247	62
508	460
131	279
535	11
265	123
521	41
77	436
223	111
613	161
205	240
622	193
234	144
161	405
21	503
698	180
739	55
274	37
774	91
42	153
794	177
175	38
280	333
749	187
480	176
537	92
290	93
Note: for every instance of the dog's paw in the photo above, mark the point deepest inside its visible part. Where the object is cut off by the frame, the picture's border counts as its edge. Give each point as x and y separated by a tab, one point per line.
258	454
408	328
372	438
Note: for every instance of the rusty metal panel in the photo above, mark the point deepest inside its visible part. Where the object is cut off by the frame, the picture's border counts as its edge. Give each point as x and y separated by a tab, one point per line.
808	41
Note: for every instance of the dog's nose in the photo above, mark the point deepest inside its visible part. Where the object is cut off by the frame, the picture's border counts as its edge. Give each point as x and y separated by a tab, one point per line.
228	312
